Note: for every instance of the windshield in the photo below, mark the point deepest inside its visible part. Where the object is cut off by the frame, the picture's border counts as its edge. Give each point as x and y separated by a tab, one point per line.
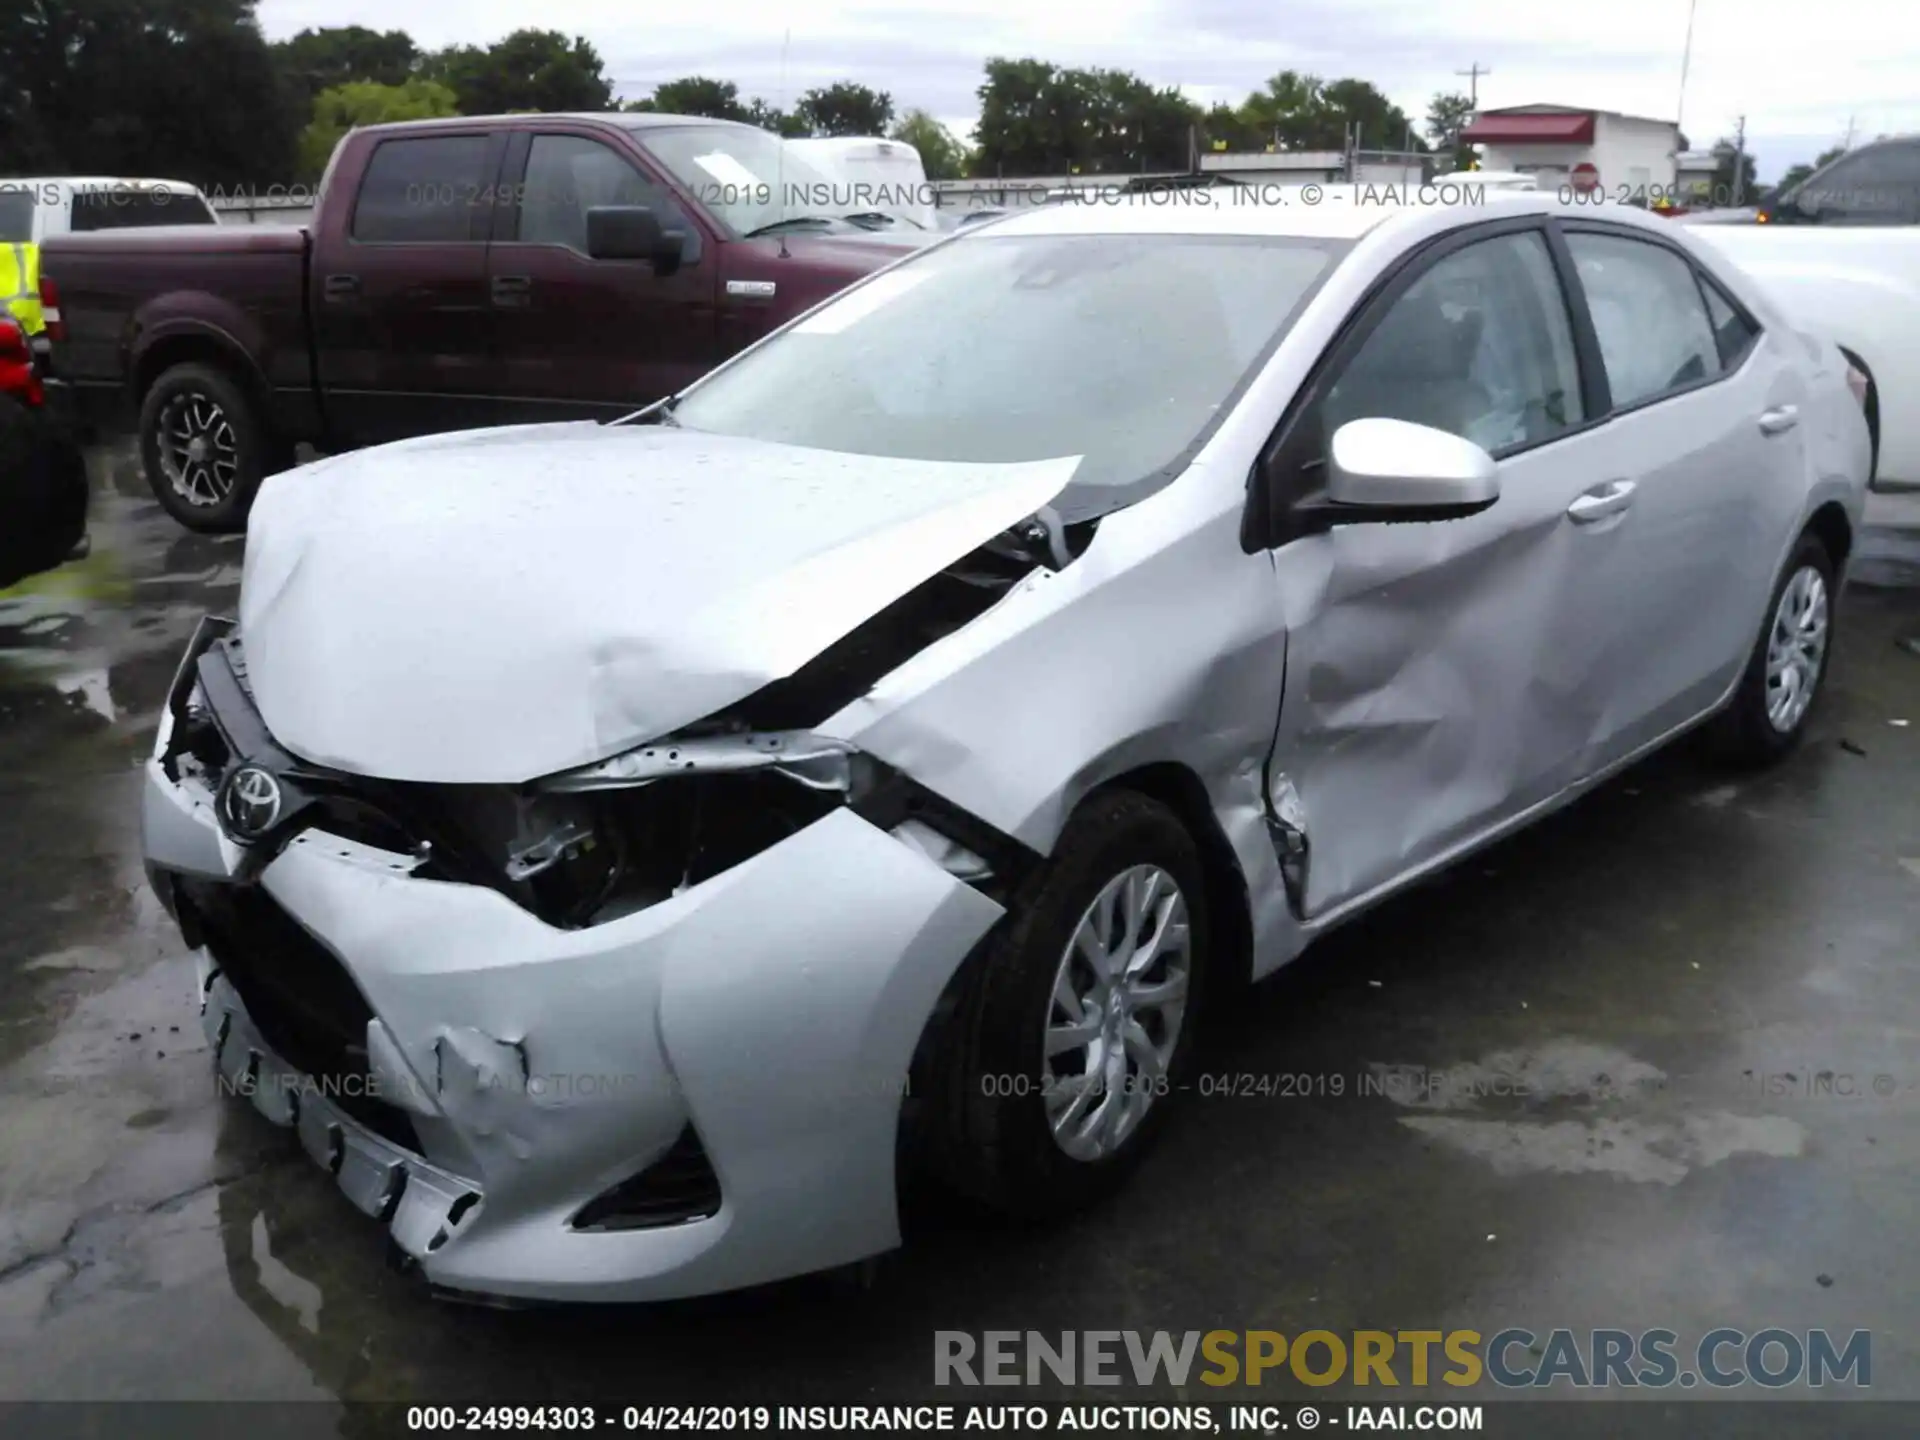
746	177
16	214
991	348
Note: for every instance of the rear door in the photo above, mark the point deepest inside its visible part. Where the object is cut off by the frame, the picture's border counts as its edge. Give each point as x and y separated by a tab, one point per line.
401	316
580	338
1705	419
1441	678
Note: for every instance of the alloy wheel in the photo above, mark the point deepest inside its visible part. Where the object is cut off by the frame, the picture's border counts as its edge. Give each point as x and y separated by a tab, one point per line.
1796	647
1119	999
199	451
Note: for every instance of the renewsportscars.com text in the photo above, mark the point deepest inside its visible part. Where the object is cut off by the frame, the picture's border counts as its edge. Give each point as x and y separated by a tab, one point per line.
1511	1358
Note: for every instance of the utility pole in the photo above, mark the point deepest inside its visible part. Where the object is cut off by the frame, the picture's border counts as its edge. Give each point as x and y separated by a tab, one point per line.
1686	54
1847	144
1739	163
1473	74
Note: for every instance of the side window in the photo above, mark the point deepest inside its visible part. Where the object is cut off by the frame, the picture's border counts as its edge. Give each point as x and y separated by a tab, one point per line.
1732	330
1879	185
567	175
1480	345
424	189
1647	314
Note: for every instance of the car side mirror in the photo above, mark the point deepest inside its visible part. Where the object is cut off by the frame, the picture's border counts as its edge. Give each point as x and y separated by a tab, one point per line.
1392	472
633	232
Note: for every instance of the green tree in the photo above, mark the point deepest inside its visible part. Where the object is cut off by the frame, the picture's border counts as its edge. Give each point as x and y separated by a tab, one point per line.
1447	116
1036	119
184	89
1018	132
1381	124
364	102
530	70
942	155
1733	184
316	60
697	95
1292	111
846	109
1228	127
780	122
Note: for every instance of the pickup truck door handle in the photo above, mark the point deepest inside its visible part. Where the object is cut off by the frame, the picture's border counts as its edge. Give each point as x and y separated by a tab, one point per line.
1779	421
512	289
339	287
1601	501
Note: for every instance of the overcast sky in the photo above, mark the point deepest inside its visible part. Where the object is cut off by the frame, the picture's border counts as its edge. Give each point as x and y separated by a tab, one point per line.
1800	72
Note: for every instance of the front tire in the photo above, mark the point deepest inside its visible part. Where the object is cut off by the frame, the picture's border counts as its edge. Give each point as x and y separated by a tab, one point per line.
205	447
1064	1042
1767	716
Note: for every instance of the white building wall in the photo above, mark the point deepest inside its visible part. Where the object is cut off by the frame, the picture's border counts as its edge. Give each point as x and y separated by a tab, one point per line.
1632	156
1635	155
1550	165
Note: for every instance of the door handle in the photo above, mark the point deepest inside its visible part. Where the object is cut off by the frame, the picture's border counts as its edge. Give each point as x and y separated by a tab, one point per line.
1600	502
339	287
1780	420
512	289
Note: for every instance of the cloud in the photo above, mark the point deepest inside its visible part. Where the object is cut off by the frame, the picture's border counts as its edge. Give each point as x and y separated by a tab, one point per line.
1797	75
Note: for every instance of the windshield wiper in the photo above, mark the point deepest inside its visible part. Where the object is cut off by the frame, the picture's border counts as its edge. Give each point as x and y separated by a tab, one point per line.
871	218
792	222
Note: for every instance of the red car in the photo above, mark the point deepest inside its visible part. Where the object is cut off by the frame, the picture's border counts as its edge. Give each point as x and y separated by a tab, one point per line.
43	475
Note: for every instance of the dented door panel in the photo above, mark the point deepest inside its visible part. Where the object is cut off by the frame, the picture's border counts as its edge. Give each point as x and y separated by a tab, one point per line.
1443	677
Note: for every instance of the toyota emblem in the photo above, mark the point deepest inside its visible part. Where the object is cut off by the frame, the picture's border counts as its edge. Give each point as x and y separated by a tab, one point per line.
251	803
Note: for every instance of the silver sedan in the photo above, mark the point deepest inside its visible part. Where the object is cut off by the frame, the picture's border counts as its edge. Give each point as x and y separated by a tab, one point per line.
619	852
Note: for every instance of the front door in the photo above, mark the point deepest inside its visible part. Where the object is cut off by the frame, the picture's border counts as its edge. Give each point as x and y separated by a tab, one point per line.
580	338
401	317
1440	676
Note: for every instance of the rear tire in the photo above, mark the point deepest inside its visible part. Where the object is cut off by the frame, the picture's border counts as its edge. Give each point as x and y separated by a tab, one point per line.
994	1096
205	447
1785	673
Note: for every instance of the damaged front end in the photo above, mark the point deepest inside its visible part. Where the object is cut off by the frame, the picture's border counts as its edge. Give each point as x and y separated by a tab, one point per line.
499	1084
591	844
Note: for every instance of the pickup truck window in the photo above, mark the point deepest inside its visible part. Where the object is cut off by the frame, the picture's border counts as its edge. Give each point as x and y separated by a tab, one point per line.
422	189
569	174
749	178
119	207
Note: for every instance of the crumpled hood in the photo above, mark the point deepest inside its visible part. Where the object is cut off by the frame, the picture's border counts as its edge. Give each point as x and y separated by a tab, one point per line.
494	606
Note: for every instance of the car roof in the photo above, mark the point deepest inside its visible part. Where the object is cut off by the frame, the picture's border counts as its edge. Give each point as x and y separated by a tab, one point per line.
1339	212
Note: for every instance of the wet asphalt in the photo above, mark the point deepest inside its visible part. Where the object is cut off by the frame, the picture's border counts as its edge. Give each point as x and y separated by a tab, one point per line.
1696	998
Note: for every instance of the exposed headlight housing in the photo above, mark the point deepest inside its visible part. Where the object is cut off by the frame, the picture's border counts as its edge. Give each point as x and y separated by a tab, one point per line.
946	852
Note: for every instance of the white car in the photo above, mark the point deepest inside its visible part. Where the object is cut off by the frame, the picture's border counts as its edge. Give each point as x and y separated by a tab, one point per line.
869	176
619	852
1841	254
35	207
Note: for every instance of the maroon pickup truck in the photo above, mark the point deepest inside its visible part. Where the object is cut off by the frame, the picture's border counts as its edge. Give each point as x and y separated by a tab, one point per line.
456	273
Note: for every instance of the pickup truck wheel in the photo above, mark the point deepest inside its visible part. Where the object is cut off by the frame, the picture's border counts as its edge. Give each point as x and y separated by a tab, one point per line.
204	447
